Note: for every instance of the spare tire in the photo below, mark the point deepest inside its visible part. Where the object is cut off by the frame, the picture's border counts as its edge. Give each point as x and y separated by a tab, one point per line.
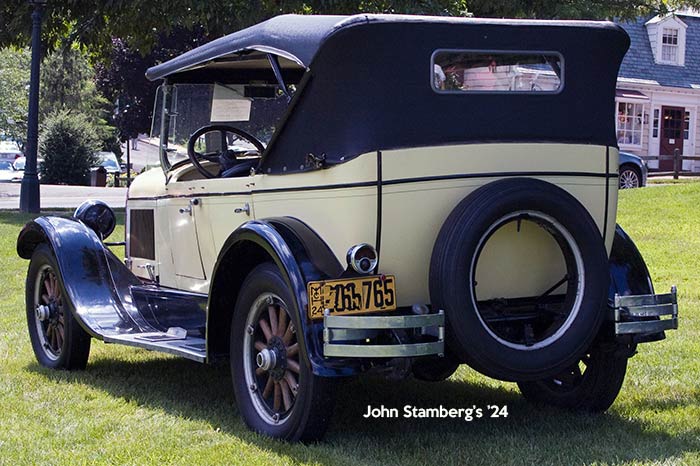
528	338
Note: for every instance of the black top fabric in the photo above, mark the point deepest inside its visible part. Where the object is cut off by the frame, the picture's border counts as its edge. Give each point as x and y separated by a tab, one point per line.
296	37
368	84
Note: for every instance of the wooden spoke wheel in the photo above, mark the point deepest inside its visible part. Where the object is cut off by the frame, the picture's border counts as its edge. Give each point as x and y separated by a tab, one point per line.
277	392
58	340
49	312
272	362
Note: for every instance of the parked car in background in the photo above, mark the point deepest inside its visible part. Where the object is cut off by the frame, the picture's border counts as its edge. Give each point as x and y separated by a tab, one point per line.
20	163
8	172
633	171
9	150
109	161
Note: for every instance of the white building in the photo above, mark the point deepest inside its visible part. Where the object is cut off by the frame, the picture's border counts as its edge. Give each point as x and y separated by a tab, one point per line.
658	89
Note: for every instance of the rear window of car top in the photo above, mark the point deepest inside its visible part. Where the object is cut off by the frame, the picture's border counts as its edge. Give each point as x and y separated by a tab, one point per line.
497	72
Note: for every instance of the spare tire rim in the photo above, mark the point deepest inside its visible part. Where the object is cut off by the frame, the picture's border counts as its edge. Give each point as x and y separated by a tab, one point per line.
546	327
271	359
49	316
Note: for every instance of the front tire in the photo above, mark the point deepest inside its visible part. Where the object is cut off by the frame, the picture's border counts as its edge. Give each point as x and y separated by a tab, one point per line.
58	340
276	391
591	385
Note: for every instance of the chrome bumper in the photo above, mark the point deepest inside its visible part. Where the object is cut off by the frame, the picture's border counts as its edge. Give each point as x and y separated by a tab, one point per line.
645	314
342	335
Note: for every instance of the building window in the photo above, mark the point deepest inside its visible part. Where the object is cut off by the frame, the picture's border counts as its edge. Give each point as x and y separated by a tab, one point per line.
686	126
669	45
655	128
630	117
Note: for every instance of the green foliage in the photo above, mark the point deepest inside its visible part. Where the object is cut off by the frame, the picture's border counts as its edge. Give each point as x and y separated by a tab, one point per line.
68	83
142	22
68	142
14	93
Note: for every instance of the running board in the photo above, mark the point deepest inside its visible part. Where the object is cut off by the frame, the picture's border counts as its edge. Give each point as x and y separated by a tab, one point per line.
175	341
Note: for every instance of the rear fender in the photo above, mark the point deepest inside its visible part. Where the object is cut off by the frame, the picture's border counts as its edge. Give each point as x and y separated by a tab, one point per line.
629	276
628	271
301	255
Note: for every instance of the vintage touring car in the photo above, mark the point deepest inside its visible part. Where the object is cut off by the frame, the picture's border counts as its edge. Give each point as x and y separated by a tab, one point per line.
394	194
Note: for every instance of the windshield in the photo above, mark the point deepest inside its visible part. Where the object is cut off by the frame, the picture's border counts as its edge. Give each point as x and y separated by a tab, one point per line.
4	165
253	108
109	160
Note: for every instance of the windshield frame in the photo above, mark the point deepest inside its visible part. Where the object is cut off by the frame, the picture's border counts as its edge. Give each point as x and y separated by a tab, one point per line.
166	98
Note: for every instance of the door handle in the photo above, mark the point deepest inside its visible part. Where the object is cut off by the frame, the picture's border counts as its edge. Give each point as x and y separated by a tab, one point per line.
188	210
245	209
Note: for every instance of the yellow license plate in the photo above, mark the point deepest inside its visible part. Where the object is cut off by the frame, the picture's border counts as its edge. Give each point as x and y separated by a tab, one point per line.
352	296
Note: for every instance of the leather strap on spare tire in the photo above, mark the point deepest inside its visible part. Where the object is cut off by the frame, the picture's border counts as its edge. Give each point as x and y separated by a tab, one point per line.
543	342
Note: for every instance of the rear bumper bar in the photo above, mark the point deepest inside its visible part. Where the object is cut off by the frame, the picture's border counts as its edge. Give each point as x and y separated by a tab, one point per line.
645	314
350	336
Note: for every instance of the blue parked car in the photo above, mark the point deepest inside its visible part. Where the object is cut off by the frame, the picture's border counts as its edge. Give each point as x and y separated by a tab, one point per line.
633	171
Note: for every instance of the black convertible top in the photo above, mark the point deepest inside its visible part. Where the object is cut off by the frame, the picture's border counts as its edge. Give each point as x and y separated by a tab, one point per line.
366	83
299	37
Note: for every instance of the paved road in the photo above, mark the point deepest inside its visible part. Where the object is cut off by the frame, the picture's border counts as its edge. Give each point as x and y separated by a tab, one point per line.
145	154
53	196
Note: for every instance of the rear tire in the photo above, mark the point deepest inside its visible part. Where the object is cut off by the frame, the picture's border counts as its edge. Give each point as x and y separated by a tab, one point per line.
58	340
434	369
277	393
591	388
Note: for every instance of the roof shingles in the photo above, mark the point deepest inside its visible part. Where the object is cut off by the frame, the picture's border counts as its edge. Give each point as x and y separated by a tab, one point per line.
639	62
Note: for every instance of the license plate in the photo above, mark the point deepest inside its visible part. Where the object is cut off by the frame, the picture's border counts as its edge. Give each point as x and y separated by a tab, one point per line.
352	296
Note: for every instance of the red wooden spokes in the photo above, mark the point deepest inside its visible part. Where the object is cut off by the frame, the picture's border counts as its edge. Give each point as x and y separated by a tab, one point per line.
279	390
54	327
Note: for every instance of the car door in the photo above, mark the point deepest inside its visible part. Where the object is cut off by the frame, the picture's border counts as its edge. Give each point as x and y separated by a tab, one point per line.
182	213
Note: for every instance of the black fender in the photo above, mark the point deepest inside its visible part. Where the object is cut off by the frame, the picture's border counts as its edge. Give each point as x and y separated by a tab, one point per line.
629	274
96	281
301	255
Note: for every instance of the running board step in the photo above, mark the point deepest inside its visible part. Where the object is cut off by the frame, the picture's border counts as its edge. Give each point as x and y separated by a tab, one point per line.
175	341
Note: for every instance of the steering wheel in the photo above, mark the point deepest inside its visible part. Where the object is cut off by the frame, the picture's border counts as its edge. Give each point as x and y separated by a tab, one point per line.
216	156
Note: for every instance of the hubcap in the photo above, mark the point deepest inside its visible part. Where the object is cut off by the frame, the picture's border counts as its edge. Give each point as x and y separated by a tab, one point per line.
629	179
49	312
271	359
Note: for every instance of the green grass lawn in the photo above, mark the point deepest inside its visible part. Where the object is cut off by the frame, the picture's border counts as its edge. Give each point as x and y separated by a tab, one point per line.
135	407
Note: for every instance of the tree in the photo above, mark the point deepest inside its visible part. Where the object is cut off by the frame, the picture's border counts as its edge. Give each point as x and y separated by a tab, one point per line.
68	83
67	143
142	22
121	78
14	93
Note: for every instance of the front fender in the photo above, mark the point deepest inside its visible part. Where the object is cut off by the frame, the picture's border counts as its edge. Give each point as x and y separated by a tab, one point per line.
95	280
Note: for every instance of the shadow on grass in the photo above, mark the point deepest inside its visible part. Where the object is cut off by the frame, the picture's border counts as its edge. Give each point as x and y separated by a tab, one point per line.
528	435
